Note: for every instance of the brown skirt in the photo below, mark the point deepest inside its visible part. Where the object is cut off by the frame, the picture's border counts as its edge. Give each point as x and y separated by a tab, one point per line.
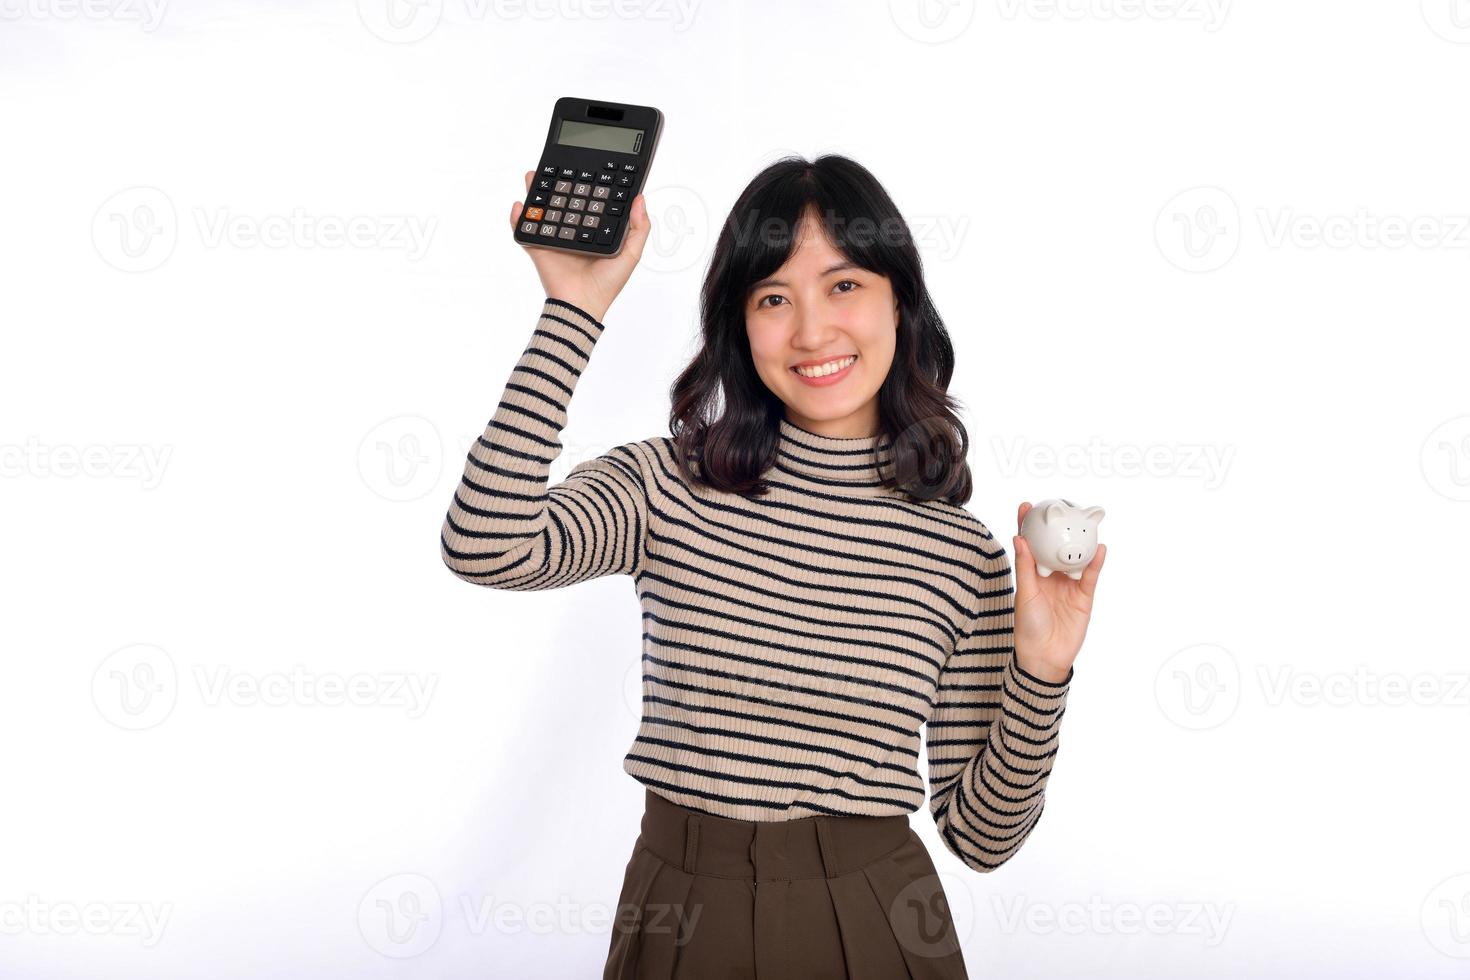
817	898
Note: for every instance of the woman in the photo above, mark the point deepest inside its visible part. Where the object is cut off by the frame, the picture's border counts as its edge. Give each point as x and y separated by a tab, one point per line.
812	591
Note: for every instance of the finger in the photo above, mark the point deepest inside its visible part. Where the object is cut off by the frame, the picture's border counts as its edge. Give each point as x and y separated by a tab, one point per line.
529	175
638	228
515	213
1093	570
1021	513
1024	567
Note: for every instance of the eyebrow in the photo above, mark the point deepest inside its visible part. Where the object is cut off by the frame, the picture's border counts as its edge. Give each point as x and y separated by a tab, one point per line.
839	267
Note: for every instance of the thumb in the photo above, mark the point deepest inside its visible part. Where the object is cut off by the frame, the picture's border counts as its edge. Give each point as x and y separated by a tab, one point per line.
1024	566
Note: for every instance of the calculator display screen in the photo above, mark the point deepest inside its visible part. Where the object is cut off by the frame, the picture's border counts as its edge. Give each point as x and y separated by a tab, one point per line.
618	139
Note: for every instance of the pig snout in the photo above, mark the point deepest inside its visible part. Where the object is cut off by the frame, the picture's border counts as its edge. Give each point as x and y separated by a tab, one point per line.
1070	554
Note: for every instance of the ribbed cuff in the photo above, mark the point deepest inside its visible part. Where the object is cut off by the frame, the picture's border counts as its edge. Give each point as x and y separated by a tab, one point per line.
1035	700
591	320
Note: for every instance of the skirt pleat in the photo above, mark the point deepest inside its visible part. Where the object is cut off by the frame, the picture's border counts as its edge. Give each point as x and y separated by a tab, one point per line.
916	911
642	871
666	924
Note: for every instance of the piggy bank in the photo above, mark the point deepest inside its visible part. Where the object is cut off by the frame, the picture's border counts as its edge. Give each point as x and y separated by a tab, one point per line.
1062	536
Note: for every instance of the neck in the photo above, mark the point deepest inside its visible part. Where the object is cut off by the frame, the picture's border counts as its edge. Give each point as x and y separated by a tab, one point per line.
832	464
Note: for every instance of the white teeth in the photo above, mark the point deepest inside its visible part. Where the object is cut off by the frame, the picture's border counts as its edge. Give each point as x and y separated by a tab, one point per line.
822	370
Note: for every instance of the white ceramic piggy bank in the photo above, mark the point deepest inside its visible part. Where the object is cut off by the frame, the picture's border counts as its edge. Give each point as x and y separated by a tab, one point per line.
1062	536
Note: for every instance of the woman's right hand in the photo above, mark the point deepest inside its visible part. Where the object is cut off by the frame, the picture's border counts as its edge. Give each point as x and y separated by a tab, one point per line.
587	281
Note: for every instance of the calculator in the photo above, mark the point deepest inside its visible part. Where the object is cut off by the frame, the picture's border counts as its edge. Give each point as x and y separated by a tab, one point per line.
594	163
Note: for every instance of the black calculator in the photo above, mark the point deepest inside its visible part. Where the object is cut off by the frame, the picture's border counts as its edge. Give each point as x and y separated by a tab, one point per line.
595	162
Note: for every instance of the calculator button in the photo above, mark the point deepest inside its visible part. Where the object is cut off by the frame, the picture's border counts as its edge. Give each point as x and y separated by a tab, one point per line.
544	183
567	232
584	175
548	230
608	233
595	207
552	216
630	168
563	187
534	213
566	172
528	227
582	190
585	236
611	164
537	198
549	170
625	181
605	177
614	210
590	220
620	194
577	204
558	200
572	218
600	192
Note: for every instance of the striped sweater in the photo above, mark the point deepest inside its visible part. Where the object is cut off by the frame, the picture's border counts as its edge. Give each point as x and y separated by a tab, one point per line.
793	644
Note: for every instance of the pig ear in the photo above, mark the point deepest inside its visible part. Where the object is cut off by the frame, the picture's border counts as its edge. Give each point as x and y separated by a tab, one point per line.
1094	513
1054	512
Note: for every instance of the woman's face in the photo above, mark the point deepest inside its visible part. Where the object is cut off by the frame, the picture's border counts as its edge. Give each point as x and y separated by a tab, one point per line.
820	312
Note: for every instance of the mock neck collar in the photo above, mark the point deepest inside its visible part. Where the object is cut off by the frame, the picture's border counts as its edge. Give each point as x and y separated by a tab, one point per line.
841	465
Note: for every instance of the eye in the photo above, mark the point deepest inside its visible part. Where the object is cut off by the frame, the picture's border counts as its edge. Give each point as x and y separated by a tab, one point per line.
761	302
854	285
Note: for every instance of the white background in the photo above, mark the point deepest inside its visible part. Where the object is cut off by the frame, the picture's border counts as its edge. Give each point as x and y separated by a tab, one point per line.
1204	263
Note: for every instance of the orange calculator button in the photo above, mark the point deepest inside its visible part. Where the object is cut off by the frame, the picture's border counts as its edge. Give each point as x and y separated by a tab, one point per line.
534	214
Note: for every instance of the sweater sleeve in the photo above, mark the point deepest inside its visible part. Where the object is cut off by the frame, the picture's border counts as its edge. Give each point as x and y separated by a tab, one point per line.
992	736
506	528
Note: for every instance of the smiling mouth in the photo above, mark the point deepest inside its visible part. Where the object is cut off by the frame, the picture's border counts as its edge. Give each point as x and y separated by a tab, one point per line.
826	367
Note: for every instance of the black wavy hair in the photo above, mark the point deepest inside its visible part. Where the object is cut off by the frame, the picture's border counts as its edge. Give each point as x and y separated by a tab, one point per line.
725	421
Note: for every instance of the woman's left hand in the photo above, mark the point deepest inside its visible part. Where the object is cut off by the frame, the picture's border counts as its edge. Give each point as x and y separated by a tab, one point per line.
1052	612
